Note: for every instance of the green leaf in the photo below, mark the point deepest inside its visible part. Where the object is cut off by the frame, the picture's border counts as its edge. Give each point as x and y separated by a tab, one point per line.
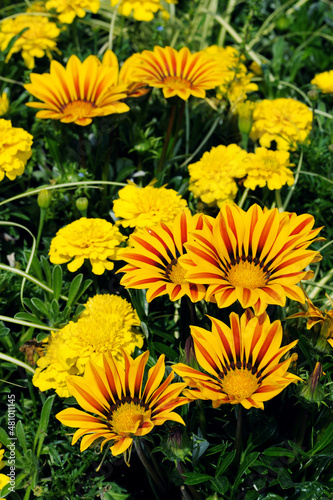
74	289
165	349
86	284
28	317
54	306
43	423
325	439
192	478
47	270
56	281
21	436
278	451
41	307
247	462
226	461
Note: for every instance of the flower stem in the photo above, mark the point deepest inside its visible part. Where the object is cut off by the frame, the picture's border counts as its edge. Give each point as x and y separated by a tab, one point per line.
148	466
166	140
40	226
238	437
243	198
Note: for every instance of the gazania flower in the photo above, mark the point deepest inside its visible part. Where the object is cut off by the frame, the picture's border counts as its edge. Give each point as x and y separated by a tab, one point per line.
242	362
177	73
324	81
285	121
254	257
77	93
323	320
107	325
213	177
142	10
142	207
123	77
153	260
93	239
4	104
68	9
266	167
15	150
38	39
124	408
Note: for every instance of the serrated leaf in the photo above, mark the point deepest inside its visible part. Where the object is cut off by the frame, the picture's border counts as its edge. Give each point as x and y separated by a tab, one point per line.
56	281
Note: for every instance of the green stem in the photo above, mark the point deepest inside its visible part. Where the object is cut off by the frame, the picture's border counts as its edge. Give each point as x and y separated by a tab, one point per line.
27	323
227	15
244	141
203	142
166	140
16	362
278	200
113	20
243	198
238	436
40	226
150	470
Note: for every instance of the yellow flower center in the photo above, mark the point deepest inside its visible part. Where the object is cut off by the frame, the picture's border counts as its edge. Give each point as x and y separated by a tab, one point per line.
176	273
79	108
177	82
240	384
126	419
247	275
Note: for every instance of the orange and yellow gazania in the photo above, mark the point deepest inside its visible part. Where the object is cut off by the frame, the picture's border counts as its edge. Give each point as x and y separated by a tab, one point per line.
256	257
242	362
77	93
153	260
124	408
176	72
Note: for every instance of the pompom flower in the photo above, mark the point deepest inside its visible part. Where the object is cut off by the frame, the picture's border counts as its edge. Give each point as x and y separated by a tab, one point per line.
94	239
77	93
67	10
4	104
324	81
125	408
142	207
107	325
236	81
153	260
38	39
256	257
142	10
242	362
15	150
266	167
176	72
285	121
213	177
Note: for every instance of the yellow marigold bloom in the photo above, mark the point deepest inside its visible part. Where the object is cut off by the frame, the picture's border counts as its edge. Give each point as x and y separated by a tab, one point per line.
153	260
77	93
4	480
236	82
15	150
125	408
4	104
37	6
285	121
142	10
177	72
67	10
107	325
324	81
242	362
143	207
94	239
266	167
38	39
213	177
256	257
2	452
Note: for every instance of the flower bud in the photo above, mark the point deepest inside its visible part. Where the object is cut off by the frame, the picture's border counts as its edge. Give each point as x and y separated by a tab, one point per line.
44	199
313	94
312	391
4	104
82	204
245	116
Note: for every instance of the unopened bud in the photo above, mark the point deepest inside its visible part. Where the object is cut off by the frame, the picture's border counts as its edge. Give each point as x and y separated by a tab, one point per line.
245	116
312	391
313	94
44	199
82	204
